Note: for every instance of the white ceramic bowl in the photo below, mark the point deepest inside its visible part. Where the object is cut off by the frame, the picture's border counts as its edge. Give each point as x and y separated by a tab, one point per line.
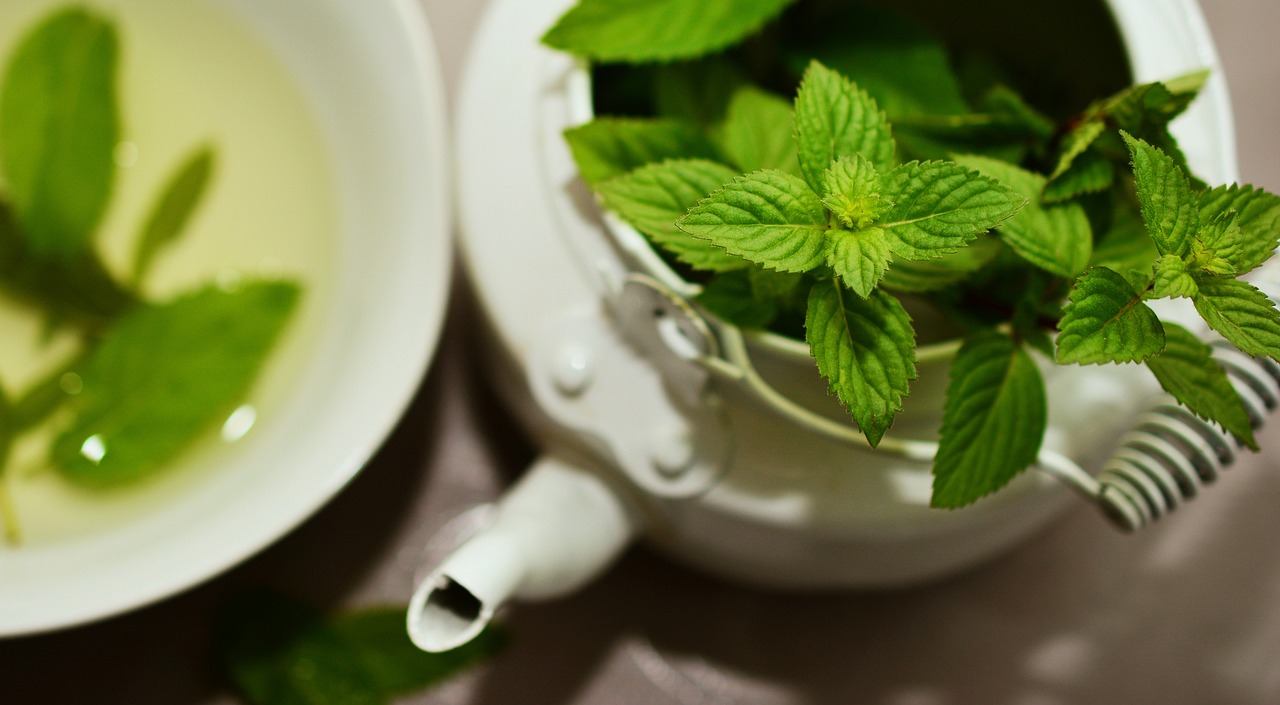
368	73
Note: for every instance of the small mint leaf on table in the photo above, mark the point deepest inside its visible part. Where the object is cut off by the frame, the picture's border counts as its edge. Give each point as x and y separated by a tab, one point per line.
609	147
1057	239
865	348
1106	321
993	421
652	198
173	210
758	131
1257	215
1241	314
1186	369
166	374
1173	279
639	31
834	118
59	125
939	207
1169	209
769	217
859	258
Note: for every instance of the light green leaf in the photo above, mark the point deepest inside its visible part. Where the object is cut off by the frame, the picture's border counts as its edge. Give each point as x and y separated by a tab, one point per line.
638	31
609	147
1241	314
758	132
851	191
993	421
769	217
1257	216
1173	280
1057	239
173	210
1186	369
166	374
931	275
652	198
939	207
866	350
1075	143
858	258
1169	209
1106	321
835	118
58	130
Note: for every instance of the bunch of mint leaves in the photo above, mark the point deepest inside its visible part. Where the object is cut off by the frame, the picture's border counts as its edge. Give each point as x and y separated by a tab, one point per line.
890	177
149	377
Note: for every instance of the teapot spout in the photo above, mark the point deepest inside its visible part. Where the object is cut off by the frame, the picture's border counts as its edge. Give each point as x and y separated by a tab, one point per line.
555	530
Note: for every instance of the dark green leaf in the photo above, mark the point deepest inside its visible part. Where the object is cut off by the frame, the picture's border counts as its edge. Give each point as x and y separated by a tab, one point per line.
1169	209
1057	239
1127	249
1186	369
652	198
769	217
1090	173
697	92
866	350
931	275
609	147
1106	321
835	118
176	205
757	132
658	30
166	374
939	207
731	297
58	130
993	421
1242	314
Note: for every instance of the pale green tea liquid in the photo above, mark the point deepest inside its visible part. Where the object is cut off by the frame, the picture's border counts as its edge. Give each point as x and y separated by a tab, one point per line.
190	74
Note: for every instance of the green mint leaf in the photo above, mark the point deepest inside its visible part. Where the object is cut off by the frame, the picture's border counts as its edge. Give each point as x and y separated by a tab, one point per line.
1076	143
769	217
1106	321
173	210
851	191
1257	217
731	297
993	421
1221	243
921	277
658	30
697	92
1169	209
376	637
1186	369
939	207
609	147
757	133
1127	248
835	118
1173	279
866	350
164	375
58	130
1090	173
771	285
652	198
1057	239
858	258
1241	314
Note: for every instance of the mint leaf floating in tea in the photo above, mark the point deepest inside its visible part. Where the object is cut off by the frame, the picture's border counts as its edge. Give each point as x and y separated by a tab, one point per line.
278	651
164	376
1186	369
173	209
58	131
658	30
609	147
1106	321
992	423
866	350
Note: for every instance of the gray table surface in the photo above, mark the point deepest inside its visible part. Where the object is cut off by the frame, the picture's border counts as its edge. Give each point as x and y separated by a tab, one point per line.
1187	612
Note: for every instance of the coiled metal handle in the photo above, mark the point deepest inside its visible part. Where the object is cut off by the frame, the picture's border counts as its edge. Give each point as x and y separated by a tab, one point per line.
1171	453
